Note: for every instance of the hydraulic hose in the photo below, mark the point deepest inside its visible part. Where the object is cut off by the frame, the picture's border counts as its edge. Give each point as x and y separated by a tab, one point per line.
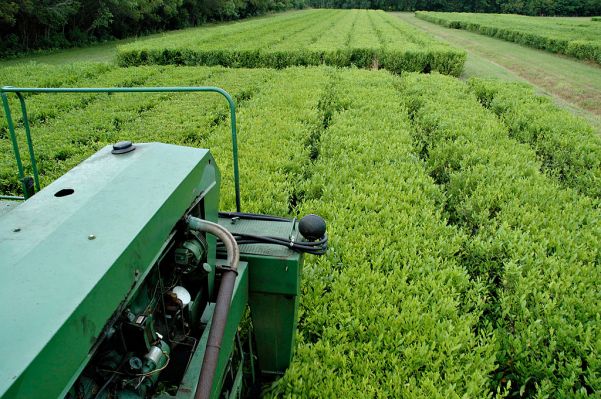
222	305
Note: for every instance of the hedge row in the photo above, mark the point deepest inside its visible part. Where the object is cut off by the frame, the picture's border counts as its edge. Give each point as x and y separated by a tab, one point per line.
570	149
597	19
536	244
389	311
315	37
45	107
573	38
74	133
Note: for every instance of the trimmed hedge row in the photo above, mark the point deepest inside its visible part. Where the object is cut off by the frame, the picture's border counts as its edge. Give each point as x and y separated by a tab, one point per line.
569	38
74	133
536	245
388	312
569	147
308	39
44	107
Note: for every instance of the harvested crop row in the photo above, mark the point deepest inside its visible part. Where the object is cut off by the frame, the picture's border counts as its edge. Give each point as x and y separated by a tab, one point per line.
569	148
579	39
388	312
534	243
314	37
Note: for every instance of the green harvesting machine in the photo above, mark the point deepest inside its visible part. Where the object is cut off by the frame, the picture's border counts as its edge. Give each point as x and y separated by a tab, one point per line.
121	279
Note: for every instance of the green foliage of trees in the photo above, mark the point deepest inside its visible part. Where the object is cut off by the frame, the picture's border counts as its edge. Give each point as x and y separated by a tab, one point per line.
37	24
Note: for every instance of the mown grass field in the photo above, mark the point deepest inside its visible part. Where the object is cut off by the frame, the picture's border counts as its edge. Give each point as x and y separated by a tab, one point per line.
362	38
579	38
571	83
464	217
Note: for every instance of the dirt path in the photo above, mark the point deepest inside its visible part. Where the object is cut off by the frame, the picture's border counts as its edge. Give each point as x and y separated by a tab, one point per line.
573	84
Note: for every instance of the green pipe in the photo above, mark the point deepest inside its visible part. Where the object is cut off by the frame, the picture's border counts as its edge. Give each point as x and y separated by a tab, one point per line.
34	165
11	197
184	89
13	139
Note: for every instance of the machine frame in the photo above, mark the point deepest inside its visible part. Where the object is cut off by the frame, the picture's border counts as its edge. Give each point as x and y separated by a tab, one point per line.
269	275
18	91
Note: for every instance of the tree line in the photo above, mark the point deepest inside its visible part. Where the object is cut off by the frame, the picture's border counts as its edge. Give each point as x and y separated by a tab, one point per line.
39	24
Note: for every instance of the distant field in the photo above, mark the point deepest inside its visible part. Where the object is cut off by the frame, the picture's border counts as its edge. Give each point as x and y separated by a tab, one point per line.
361	38
576	37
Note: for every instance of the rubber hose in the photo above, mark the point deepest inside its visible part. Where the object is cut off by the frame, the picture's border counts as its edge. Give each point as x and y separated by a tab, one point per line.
222	305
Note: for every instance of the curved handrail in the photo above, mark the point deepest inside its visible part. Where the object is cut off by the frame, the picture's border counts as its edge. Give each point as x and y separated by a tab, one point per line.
184	89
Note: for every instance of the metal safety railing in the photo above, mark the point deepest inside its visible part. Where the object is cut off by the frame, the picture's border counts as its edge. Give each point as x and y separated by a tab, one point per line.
18	91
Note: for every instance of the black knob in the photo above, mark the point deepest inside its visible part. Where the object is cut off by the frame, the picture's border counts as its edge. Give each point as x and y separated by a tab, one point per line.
312	227
122	147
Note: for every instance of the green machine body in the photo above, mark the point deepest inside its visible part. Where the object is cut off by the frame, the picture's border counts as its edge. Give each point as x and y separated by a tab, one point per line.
108	291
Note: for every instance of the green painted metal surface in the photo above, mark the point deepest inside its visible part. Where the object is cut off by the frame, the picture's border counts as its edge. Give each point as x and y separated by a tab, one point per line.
67	263
274	285
7	206
18	91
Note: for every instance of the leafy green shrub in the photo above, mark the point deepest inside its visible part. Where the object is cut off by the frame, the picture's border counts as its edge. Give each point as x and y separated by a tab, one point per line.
535	243
559	35
456	268
569	148
389	312
365	39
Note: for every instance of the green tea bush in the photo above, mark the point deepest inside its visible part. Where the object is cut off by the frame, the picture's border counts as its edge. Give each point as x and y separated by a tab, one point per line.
456	267
361	38
389	312
579	39
535	243
569	148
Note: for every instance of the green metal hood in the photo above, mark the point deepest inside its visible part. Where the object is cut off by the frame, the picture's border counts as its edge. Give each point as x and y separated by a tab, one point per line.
67	263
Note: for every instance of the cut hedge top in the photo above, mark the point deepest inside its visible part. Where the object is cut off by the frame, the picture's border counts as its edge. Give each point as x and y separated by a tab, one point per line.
361	38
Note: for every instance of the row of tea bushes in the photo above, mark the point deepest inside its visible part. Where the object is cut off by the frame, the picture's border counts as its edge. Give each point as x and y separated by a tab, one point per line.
42	107
313	37
389	311
456	268
576	38
534	243
569	148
